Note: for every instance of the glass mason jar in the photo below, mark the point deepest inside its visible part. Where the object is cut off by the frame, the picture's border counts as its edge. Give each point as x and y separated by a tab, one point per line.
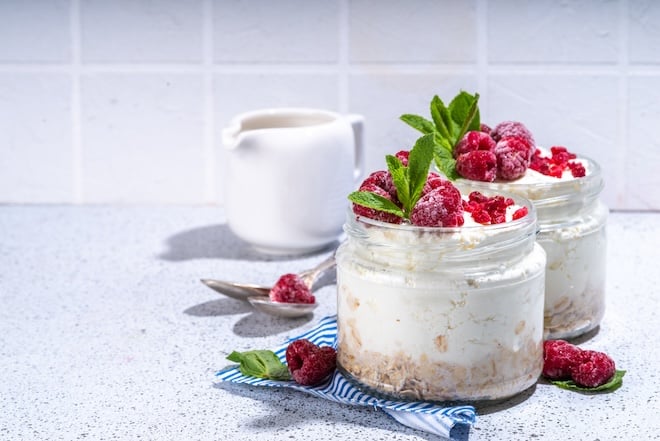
441	314
572	222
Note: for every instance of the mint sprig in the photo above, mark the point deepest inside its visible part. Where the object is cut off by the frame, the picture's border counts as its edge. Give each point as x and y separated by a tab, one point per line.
615	382
448	125
260	363
408	180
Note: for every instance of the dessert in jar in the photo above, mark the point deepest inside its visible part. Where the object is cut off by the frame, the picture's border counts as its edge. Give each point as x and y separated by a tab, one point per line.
443	301
572	230
564	188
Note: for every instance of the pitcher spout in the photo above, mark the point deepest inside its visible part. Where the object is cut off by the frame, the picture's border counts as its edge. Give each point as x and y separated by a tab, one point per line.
230	135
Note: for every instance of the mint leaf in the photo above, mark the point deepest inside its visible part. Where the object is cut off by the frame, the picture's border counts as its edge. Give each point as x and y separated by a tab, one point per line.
615	382
377	202
260	363
465	114
450	124
418	122
442	142
441	117
445	162
399	175
419	161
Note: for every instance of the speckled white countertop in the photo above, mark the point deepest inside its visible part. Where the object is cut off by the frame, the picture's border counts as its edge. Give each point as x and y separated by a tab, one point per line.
107	333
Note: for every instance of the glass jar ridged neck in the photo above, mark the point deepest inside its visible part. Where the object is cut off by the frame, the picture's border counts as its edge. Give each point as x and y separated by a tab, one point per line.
556	201
466	246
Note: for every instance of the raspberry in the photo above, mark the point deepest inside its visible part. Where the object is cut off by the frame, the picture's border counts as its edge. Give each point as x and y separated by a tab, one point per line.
485	128
376	214
513	157
520	213
382	179
290	288
559	359
479	165
440	207
560	160
594	369
403	156
490	210
473	141
577	169
512	128
308	363
433	181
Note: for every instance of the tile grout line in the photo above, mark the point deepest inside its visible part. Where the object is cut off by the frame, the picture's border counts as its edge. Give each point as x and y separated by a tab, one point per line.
315	68
208	154
623	122
343	65
482	54
76	110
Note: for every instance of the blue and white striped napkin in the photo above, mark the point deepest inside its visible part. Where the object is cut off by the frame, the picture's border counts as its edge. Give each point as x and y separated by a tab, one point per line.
418	415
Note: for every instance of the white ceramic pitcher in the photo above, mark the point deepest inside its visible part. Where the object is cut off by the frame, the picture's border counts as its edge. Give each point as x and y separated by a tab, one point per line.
288	172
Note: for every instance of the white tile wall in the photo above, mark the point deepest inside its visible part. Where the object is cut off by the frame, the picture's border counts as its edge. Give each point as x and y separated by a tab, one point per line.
123	101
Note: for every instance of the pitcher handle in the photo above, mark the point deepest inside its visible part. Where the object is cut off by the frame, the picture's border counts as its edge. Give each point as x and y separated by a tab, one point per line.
357	123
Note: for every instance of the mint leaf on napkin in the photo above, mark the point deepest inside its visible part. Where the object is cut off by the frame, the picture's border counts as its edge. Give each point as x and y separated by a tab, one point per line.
260	363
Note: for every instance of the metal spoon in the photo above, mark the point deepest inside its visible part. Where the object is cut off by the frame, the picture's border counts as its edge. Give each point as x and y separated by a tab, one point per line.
258	295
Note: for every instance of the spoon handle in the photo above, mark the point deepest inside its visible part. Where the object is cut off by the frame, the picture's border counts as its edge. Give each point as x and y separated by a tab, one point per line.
310	276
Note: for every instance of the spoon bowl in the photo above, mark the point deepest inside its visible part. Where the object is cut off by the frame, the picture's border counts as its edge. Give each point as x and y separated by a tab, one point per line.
239	291
290	310
258	296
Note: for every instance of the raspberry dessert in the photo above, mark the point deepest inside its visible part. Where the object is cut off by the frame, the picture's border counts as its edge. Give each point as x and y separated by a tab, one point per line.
564	188
308	363
564	361
446	304
291	288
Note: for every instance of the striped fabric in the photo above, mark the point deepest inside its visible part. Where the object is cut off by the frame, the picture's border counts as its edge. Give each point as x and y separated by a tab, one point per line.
418	415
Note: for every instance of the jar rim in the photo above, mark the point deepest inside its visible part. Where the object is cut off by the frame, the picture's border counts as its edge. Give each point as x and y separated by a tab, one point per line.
553	193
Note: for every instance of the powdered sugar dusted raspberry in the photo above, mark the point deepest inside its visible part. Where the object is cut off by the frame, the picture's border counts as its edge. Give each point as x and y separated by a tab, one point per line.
434	181
512	128
559	359
373	213
403	156
440	207
513	157
594	369
382	179
563	361
473	141
479	165
485	128
290	288
308	363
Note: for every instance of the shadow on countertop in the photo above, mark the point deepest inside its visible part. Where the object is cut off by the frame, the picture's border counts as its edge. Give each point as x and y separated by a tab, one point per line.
290	407
218	242
255	324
